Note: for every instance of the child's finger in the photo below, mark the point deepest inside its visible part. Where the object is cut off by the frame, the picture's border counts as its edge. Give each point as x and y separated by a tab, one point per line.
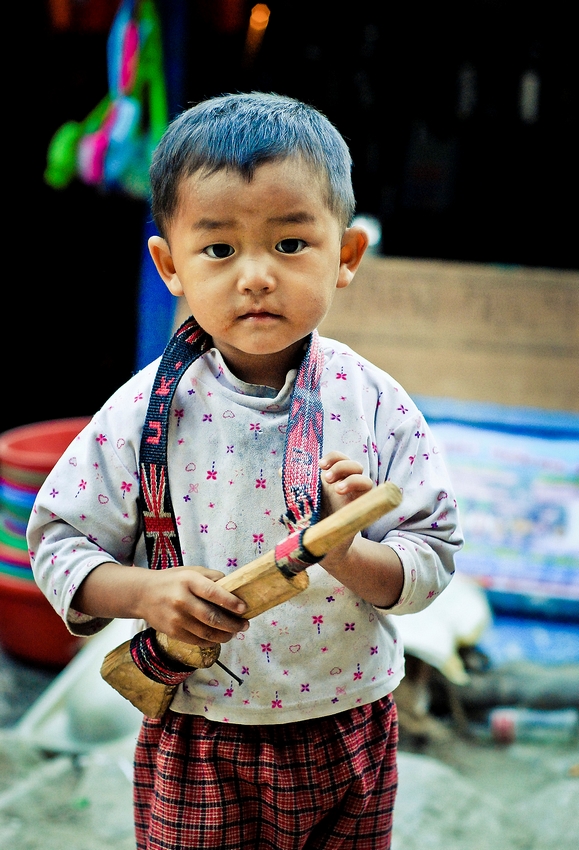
205	587
341	469
355	484
330	458
213	624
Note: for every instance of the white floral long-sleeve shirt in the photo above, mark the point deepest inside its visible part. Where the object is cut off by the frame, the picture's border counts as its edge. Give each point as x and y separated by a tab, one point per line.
324	651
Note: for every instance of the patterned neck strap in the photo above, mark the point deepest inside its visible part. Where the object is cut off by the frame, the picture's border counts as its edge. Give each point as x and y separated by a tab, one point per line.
303	445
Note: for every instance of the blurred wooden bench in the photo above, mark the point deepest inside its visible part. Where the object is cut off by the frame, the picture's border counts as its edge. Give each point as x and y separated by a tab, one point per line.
502	334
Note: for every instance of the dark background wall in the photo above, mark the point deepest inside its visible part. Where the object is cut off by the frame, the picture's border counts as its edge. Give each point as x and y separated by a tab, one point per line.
427	95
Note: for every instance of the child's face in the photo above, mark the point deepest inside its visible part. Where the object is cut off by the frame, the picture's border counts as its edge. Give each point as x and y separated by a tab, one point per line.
258	262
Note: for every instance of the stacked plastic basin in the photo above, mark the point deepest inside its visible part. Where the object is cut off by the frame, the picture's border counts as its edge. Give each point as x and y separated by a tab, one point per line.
29	627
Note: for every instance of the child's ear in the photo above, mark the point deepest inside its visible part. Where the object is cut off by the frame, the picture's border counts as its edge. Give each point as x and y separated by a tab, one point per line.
161	255
354	244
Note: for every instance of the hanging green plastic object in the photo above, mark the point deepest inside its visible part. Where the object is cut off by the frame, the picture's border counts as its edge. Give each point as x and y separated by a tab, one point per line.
112	147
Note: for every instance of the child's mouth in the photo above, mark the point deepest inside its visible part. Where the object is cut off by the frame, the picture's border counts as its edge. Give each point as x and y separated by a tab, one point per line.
259	315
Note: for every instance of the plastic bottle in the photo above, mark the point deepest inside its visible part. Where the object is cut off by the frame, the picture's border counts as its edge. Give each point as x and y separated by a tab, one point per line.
511	724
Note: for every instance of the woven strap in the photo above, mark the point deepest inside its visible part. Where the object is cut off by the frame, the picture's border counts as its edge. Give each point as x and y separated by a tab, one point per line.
161	536
154	663
292	556
304	439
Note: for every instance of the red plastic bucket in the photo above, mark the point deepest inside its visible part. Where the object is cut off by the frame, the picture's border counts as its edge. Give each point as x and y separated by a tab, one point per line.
30	628
30	451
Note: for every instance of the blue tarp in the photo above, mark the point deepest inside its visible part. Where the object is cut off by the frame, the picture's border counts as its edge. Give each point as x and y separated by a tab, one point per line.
516	475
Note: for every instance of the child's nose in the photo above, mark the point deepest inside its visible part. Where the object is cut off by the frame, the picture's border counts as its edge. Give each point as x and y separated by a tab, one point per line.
256	275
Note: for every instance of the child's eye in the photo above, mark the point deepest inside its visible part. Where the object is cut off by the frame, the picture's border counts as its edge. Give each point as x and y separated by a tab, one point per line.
219	251
290	246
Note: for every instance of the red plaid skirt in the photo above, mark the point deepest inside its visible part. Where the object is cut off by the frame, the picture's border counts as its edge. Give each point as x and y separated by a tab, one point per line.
326	783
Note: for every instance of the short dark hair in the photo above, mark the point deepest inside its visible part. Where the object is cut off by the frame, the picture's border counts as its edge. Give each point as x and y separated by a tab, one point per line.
241	131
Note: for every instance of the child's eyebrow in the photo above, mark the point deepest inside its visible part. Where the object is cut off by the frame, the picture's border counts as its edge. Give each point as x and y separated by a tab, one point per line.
212	223
293	218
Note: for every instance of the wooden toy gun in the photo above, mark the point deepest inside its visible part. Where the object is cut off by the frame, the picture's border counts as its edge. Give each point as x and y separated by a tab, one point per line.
265	582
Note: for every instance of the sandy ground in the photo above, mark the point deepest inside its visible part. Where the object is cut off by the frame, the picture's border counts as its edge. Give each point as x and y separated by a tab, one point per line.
457	791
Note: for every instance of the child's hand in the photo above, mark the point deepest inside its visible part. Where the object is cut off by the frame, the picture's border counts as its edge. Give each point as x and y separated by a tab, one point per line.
342	481
186	604
366	567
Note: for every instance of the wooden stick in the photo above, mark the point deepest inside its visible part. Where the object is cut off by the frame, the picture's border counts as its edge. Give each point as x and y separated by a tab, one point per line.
261	584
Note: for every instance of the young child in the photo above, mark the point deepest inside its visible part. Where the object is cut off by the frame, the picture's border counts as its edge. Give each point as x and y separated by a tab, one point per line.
208	458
